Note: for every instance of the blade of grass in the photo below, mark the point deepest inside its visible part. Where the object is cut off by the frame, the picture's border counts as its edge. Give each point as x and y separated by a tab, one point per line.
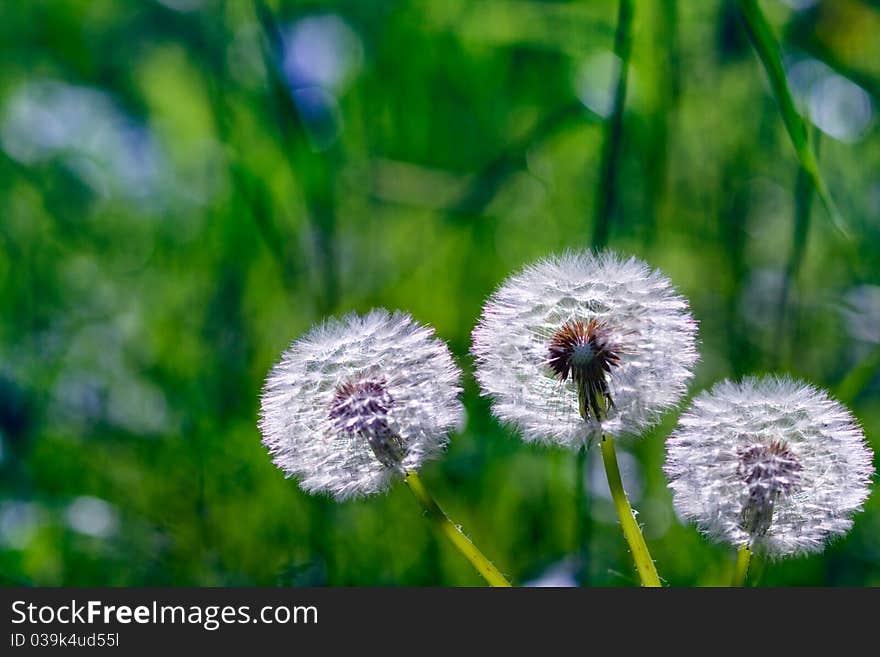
786	321
767	47
859	377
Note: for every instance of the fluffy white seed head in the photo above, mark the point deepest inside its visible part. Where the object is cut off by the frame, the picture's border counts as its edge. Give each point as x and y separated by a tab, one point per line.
610	325
771	464
358	400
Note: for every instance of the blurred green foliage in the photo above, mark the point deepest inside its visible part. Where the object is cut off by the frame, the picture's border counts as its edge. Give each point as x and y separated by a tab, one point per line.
186	186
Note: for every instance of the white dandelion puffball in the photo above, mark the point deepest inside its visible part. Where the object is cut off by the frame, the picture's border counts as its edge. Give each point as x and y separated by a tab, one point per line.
359	400
584	342
770	464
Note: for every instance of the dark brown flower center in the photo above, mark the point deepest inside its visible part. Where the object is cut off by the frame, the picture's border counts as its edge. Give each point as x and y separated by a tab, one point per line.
770	471
585	352
361	408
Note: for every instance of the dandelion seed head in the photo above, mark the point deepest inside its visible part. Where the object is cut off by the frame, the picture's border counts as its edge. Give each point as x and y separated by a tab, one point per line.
609	323
357	401
361	408
771	464
359	405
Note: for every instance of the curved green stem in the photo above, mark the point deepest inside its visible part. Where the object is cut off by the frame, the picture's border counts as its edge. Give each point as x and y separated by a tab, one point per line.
462	543
741	571
631	531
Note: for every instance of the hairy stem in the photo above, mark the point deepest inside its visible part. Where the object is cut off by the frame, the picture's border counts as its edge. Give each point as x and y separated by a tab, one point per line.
449	529
632	533
741	570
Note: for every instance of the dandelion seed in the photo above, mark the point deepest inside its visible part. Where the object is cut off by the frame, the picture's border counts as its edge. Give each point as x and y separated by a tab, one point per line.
769	465
357	401
585	352
579	342
361	408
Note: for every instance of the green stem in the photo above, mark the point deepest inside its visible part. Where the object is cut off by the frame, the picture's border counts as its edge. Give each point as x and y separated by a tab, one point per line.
631	531
741	571
803	196
445	526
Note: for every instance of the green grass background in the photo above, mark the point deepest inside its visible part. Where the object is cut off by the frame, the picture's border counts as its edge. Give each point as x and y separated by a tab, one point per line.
138	319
